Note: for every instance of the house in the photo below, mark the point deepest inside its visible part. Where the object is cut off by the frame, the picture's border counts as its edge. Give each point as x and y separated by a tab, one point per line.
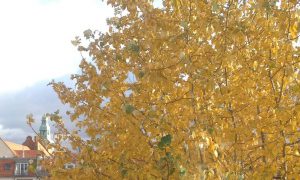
18	161
21	161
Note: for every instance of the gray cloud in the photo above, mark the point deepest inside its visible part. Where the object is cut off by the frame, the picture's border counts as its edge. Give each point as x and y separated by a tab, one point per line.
37	99
13	134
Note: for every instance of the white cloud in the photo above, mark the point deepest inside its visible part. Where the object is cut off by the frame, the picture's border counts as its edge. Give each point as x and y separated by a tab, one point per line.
35	38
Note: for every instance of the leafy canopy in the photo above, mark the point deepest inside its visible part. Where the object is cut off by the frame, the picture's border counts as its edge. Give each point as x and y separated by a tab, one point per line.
215	93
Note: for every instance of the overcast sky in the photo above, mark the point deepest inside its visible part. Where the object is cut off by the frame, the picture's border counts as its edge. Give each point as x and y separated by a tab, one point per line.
35	48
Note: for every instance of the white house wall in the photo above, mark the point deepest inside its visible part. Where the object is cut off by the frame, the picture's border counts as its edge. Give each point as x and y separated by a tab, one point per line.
4	150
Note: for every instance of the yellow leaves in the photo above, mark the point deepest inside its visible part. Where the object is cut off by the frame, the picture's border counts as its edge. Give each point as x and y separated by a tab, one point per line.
294	30
274	48
297	153
294	124
216	153
177	5
30	119
193	135
255	64
294	2
215	85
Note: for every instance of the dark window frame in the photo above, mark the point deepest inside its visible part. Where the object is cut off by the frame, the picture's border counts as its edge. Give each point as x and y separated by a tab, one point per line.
7	167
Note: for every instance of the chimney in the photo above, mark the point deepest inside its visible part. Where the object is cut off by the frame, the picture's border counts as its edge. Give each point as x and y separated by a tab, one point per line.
36	141
29	143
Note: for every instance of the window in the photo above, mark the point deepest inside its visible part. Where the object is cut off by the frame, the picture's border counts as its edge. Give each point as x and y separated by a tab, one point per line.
21	169
7	167
69	166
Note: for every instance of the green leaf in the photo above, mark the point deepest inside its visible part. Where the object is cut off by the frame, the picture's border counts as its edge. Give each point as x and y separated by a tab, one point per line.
184	24
129	108
215	6
210	130
82	48
182	171
124	172
117	57
88	33
165	141
141	74
133	46
169	155
160	145
76	42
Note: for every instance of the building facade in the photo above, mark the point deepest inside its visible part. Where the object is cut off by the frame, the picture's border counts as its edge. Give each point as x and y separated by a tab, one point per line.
21	161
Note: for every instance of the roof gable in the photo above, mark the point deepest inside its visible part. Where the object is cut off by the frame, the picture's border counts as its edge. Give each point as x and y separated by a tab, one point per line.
16	147
5	150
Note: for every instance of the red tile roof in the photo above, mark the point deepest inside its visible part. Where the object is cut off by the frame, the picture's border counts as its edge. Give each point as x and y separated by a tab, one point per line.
27	153
17	149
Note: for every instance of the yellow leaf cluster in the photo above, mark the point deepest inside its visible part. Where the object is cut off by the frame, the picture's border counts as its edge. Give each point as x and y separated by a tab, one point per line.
196	89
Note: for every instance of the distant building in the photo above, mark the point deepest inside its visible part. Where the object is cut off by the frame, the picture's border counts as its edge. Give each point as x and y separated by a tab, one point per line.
21	161
45	131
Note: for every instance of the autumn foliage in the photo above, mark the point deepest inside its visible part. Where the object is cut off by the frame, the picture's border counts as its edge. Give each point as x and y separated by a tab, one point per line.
189	89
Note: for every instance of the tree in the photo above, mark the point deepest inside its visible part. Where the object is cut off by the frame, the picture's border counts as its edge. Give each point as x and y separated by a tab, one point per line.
215	93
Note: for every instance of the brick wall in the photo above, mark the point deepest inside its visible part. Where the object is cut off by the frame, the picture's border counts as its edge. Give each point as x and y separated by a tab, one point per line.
4	163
